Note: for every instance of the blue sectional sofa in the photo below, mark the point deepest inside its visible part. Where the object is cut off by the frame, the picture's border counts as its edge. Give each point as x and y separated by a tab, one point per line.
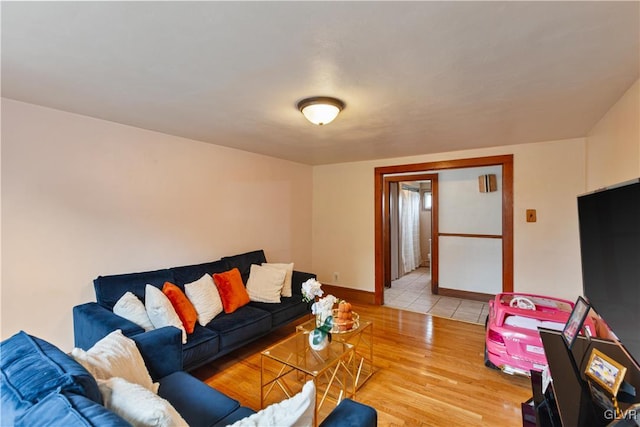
225	333
41	385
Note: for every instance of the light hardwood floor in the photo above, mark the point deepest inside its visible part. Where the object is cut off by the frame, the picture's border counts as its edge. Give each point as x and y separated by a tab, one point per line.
429	372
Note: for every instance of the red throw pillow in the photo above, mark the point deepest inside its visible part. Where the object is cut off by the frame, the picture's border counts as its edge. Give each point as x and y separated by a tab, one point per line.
181	304
231	289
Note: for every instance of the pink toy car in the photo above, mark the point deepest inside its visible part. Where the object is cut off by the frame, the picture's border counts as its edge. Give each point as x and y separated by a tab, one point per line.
512	341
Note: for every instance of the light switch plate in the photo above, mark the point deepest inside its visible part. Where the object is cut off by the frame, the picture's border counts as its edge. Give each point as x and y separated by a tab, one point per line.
531	215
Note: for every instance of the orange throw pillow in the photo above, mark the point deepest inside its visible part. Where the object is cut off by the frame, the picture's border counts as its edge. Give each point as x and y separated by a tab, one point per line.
181	304
231	289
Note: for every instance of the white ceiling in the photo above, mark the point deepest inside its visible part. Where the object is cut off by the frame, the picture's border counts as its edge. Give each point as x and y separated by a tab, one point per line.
417	77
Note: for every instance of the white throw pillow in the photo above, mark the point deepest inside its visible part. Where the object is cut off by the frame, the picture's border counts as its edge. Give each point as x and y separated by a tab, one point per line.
132	309
288	268
295	411
138	405
116	356
265	284
204	296
160	311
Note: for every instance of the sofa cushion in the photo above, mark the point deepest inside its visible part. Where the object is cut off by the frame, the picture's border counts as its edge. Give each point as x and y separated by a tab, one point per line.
32	368
191	273
204	295
288	269
241	326
69	410
231	289
131	308
265	284
243	262
201	346
161	312
109	289
202	405
181	304
289	309
298	410
138	405
116	356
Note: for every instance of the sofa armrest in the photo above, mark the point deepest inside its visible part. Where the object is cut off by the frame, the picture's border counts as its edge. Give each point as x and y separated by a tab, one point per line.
350	413
297	279
161	350
92	322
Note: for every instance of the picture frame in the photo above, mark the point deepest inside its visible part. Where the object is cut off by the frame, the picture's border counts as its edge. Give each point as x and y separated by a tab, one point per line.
576	319
605	372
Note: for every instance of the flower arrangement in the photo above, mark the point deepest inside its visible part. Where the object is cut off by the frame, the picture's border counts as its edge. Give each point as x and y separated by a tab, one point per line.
322	309
311	289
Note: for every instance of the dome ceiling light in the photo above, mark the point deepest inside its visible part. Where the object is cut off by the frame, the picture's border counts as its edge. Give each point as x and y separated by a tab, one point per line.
320	110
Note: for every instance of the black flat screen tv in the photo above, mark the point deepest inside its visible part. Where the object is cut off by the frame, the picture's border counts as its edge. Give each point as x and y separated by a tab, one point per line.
610	252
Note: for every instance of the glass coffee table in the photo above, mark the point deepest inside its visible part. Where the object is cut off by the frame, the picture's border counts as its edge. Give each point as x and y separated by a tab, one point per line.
288	364
362	340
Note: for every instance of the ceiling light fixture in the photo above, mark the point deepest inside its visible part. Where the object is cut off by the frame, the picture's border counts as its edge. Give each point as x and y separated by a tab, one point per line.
320	110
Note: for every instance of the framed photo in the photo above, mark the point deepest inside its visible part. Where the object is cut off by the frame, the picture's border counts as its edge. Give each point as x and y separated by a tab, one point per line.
605	372
576	319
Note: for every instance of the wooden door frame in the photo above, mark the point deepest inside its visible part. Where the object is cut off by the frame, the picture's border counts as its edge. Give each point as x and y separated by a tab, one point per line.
433	177
381	217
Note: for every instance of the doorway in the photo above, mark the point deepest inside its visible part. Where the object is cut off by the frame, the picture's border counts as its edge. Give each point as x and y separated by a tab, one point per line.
385	175
411	224
411	230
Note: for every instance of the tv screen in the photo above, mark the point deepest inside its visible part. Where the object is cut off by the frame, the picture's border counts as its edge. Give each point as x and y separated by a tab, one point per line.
610	251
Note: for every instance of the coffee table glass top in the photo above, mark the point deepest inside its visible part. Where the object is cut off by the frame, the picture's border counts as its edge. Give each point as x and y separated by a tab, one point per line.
310	325
296	352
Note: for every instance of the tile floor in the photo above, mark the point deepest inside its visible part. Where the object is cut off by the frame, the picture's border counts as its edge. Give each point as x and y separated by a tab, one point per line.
412	292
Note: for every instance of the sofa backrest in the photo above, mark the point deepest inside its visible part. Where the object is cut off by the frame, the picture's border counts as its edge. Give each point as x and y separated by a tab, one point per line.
109	289
191	273
243	262
32	368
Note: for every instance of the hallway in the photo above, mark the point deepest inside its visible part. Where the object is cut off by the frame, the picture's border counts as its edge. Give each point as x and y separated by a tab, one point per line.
412	292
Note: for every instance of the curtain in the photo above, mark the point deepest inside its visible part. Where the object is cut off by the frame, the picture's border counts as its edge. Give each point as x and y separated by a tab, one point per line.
409	230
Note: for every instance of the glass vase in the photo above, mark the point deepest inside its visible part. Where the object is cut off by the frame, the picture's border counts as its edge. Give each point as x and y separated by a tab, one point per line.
317	340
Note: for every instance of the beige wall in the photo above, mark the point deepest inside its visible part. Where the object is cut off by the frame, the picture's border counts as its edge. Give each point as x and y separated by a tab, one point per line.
83	197
547	176
613	145
469	264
